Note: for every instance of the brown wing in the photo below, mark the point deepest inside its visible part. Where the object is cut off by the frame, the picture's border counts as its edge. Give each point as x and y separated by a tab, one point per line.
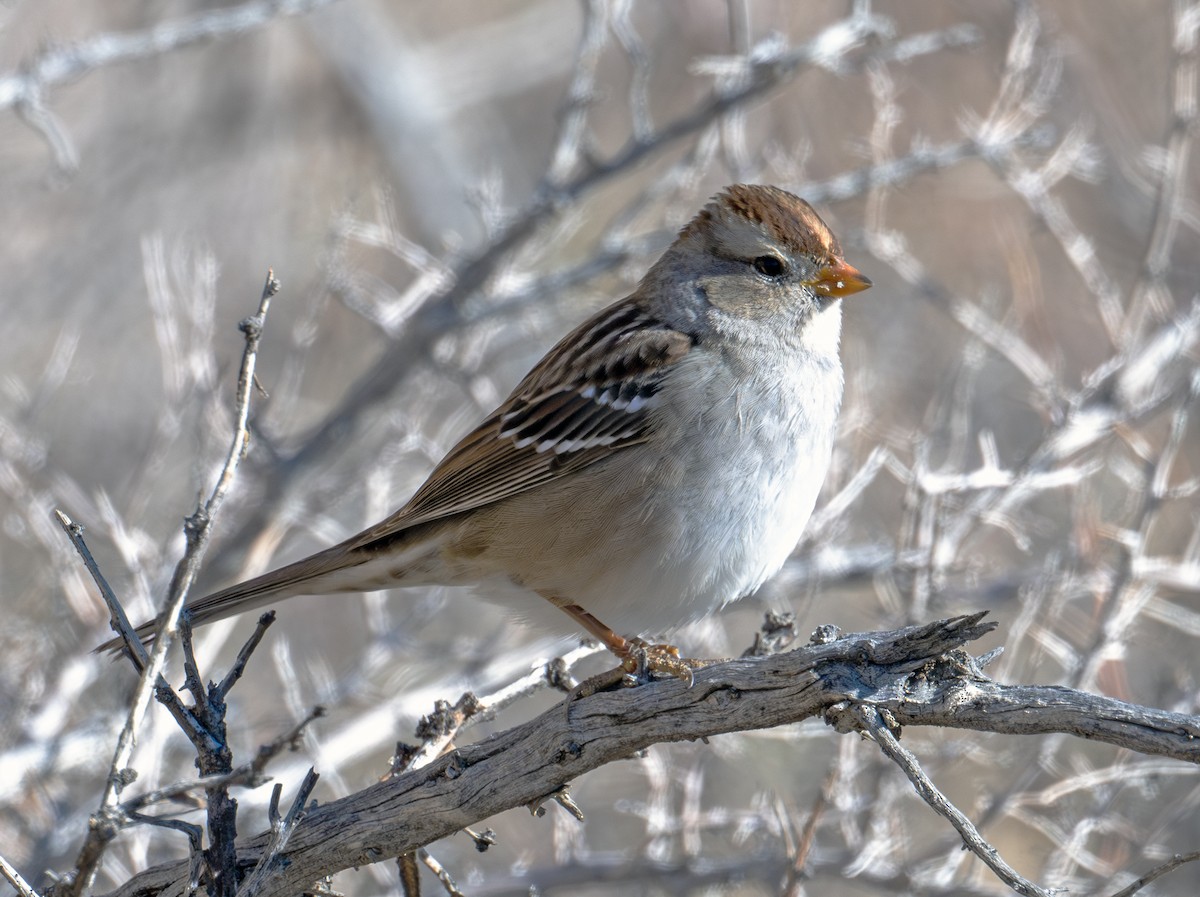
590	397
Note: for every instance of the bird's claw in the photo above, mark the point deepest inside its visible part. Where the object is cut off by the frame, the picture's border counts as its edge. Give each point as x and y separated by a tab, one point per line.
644	659
640	660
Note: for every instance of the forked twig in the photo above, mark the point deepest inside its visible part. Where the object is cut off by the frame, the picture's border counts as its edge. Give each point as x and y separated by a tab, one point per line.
198	528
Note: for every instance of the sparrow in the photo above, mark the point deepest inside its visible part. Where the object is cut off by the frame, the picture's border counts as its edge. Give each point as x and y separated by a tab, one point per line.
659	462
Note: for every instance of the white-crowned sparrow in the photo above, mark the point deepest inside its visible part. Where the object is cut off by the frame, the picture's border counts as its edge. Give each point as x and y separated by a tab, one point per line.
659	462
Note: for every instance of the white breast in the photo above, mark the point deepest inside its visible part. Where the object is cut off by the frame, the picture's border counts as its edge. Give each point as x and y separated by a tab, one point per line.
727	506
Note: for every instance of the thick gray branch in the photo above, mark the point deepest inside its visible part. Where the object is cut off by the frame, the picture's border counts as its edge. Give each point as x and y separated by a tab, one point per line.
919	674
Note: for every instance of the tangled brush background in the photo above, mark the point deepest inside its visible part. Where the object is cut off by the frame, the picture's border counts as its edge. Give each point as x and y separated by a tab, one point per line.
444	189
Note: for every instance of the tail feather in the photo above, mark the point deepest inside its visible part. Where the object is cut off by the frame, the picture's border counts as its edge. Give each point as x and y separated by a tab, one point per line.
331	570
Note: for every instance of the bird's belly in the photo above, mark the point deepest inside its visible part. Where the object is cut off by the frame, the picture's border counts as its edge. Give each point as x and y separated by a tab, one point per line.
689	532
720	541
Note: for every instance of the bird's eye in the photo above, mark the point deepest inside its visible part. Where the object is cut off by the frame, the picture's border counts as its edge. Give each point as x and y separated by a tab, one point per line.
770	266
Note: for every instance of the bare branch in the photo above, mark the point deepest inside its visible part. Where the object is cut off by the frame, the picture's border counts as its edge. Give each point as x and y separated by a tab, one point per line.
282	830
248	774
198	530
1148	297
443	876
1157	872
13	877
873	722
118	619
26	90
914	674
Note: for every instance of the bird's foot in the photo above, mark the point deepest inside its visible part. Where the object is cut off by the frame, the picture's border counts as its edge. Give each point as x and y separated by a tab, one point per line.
640	660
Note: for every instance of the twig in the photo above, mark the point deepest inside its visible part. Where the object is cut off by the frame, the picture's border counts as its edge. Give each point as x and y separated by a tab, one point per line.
1126	594
1157	872
281	831
469	709
872	721
13	877
198	530
440	871
118	619
248	774
26	89
571	143
561	796
239	665
1170	193
195	836
207	729
438	731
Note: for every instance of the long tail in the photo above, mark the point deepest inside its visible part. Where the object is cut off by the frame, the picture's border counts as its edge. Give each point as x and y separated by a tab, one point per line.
335	569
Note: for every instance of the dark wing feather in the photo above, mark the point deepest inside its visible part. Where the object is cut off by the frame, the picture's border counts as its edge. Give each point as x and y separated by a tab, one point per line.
589	398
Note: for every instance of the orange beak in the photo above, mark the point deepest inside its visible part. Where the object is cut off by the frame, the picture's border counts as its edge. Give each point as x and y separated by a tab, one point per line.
838	279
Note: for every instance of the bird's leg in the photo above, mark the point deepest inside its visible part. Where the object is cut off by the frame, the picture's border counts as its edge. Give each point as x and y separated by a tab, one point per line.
637	656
